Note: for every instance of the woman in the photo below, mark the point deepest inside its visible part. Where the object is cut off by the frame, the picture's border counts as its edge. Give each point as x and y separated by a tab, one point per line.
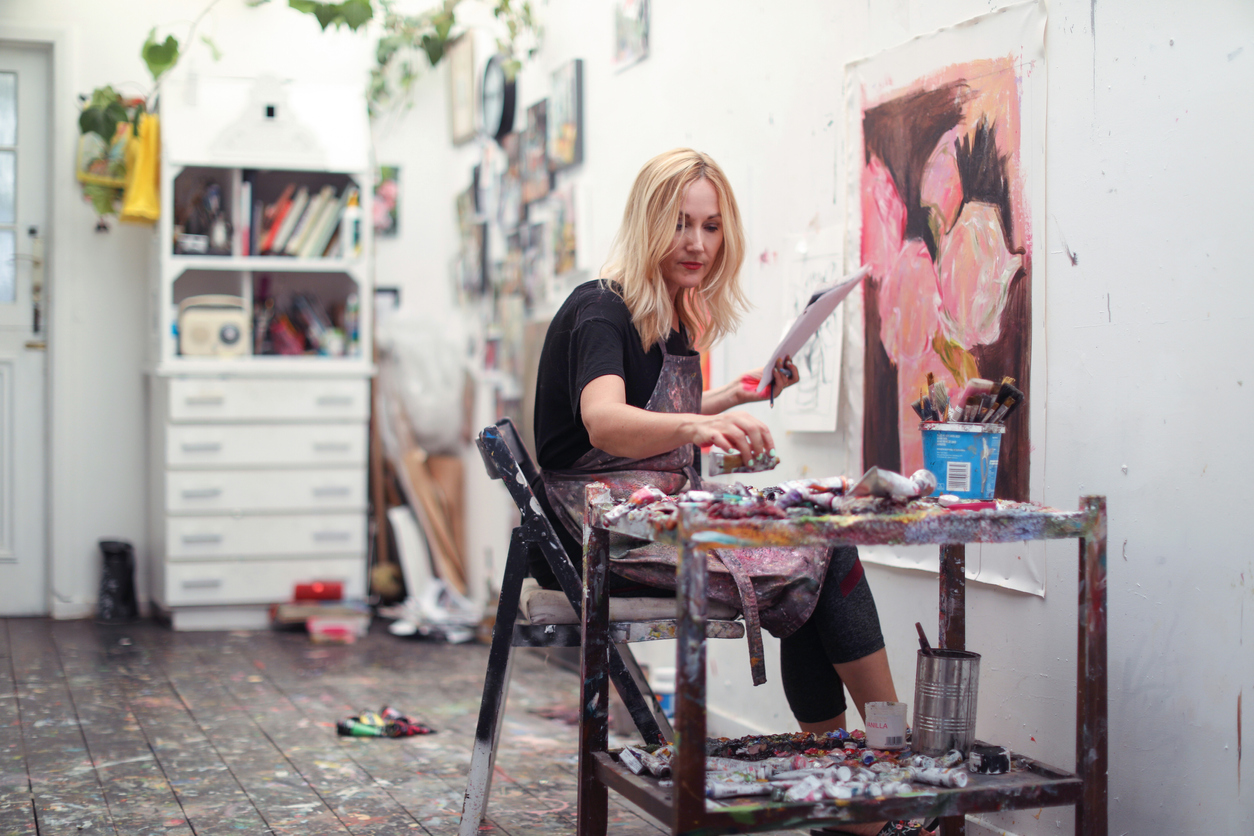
619	400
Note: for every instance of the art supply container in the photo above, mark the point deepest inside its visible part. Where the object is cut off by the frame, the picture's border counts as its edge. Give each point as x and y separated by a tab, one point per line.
886	725
946	689
963	457
662	681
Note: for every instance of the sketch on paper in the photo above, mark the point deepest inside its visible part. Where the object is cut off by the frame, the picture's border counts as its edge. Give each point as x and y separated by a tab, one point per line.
810	405
946	229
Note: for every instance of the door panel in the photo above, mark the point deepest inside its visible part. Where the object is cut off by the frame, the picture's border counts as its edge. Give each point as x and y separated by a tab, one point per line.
24	141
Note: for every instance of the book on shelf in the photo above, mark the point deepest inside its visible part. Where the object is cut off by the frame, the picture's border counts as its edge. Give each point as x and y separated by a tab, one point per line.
243	216
289	221
308	220
274	216
319	241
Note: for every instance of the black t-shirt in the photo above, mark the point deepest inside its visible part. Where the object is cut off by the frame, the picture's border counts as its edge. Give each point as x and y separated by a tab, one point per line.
590	336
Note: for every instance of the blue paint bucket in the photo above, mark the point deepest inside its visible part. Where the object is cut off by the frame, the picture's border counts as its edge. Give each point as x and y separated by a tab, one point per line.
963	457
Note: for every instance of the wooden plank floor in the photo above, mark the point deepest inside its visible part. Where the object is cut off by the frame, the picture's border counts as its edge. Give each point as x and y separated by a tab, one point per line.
137	730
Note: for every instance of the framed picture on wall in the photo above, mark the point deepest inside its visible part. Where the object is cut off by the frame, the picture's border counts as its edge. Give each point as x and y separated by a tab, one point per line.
512	209
536	177
631	32
565	118
461	89
386	198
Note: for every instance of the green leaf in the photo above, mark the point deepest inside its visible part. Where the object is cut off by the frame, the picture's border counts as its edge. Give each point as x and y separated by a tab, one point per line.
213	48
306	6
434	47
356	13
160	56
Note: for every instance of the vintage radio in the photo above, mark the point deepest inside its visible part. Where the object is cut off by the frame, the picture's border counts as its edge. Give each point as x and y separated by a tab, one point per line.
214	326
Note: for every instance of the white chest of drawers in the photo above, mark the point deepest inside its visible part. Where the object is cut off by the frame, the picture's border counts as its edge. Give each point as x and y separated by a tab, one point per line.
258	484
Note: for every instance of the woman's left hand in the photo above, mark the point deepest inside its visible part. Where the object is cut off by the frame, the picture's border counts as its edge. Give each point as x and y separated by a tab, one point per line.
785	374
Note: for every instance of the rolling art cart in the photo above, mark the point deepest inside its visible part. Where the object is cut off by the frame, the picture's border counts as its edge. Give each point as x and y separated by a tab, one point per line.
684	805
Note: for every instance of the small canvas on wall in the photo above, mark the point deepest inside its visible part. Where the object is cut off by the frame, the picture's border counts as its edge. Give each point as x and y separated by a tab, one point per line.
461	89
631	32
565	118
535	162
563	224
387	191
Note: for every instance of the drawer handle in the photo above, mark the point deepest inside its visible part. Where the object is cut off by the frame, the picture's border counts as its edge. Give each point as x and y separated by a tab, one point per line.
331	536
334	400
332	447
204	400
202	538
202	493
203	583
331	490
202	447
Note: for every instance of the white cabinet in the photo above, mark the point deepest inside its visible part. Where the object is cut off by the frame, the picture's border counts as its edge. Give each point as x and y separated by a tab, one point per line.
260	371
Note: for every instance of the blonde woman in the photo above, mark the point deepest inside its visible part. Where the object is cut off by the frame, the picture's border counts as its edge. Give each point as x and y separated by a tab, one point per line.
619	400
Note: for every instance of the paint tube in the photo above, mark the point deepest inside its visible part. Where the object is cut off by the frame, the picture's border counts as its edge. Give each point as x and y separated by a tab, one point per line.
953	758
631	759
941	777
809	789
732	461
922	762
352	728
733	789
657	767
989	760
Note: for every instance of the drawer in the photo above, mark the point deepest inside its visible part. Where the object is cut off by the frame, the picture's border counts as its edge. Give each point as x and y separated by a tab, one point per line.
271	535
268	399
259	491
265	445
256	581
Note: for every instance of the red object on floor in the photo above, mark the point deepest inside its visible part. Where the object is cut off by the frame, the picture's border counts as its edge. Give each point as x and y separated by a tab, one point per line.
319	591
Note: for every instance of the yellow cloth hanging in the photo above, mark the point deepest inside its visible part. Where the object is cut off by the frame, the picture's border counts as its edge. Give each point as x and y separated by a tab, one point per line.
141	202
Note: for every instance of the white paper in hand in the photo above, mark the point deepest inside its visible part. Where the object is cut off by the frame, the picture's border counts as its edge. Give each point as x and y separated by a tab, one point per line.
819	308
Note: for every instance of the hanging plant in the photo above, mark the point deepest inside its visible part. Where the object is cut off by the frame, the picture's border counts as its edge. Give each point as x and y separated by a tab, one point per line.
107	122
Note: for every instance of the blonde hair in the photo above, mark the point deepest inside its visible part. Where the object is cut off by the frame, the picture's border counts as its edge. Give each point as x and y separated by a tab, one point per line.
647	236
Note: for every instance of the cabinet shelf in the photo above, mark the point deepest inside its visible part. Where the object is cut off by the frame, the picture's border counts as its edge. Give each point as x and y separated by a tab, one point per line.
264	264
256	440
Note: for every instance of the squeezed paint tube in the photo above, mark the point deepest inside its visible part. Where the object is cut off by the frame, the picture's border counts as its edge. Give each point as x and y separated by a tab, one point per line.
628	758
732	461
809	789
657	767
922	762
941	777
989	760
953	758
733	789
885	483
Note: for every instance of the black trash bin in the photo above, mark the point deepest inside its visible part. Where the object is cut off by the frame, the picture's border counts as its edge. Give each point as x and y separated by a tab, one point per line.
116	603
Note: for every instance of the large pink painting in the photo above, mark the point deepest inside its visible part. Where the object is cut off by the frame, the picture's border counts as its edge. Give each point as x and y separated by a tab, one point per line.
946	231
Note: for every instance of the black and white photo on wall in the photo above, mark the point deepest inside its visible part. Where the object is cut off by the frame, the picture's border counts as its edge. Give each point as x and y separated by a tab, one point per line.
565	117
536	176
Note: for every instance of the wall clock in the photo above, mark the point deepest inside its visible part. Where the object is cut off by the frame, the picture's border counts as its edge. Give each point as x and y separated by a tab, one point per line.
498	99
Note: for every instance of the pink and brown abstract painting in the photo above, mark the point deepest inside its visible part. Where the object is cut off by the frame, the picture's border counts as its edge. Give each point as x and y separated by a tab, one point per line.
945	229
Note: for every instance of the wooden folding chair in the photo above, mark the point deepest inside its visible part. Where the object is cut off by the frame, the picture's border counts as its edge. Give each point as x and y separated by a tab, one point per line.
554	618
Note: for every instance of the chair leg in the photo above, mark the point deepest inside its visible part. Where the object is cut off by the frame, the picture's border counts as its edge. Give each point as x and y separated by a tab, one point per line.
634	689
495	690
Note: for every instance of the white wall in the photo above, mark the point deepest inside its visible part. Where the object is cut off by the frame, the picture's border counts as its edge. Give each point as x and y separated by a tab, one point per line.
1147	334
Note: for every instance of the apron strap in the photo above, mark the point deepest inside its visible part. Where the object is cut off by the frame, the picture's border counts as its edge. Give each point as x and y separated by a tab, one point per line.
749	607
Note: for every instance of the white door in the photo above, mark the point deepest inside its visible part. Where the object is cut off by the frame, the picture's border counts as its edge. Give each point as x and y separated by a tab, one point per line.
24	140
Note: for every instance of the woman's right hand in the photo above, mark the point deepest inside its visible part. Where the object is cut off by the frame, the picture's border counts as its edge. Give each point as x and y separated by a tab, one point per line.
738	431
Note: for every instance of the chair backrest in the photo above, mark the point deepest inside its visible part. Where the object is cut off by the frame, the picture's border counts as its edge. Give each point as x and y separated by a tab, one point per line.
506	458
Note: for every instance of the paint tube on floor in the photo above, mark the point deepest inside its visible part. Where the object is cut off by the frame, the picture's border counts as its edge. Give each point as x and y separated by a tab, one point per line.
352	728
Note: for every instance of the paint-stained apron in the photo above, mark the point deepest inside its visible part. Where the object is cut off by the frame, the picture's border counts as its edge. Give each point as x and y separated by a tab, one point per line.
773	587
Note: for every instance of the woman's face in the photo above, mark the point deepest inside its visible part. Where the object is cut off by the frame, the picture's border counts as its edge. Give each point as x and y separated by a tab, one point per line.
698	239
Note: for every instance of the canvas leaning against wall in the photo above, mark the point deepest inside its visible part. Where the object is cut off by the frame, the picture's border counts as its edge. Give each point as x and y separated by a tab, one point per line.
945	201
